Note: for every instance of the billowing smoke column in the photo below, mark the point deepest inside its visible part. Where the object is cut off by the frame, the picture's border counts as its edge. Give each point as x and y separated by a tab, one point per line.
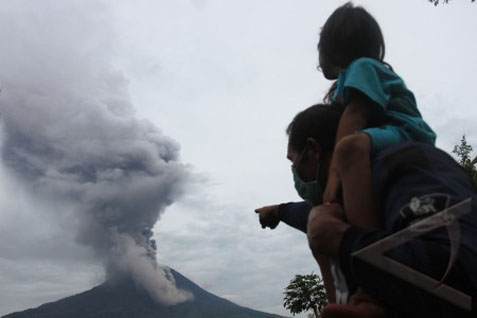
69	133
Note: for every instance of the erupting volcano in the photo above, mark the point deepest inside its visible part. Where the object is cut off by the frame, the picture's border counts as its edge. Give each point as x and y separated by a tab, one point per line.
123	298
70	136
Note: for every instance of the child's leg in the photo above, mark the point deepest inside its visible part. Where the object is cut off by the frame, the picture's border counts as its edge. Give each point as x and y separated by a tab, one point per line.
353	166
325	269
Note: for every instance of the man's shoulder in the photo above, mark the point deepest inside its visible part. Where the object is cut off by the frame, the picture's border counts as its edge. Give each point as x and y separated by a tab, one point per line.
419	168
417	165
413	152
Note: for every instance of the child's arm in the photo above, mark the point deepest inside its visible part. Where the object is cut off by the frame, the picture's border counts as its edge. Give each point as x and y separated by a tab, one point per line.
351	165
354	118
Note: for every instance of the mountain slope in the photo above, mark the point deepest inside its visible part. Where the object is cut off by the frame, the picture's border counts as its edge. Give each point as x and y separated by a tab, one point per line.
125	300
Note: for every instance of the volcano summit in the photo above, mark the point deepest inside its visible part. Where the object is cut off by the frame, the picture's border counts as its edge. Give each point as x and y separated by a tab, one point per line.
123	299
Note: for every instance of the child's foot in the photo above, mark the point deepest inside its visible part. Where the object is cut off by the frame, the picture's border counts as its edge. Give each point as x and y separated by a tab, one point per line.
362	306
353	311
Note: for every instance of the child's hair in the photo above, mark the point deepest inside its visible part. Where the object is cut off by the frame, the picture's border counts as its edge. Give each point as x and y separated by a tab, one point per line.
348	34
319	122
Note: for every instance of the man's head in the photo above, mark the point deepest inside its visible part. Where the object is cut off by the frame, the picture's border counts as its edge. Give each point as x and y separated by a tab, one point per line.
311	139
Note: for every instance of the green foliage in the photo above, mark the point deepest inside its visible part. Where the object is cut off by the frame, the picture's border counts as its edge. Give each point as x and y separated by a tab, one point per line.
464	152
436	2
305	292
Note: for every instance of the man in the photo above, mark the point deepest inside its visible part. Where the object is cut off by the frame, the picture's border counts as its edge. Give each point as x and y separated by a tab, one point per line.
411	182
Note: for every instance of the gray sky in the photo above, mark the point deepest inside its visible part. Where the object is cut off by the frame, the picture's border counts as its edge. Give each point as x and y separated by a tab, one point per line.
222	78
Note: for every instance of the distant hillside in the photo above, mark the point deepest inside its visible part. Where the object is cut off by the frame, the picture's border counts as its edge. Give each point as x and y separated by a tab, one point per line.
124	300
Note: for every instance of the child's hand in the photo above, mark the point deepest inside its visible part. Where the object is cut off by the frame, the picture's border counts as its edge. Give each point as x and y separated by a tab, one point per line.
268	216
326	227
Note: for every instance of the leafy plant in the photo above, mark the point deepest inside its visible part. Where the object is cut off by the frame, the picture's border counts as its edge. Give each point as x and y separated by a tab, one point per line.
304	293
436	2
464	152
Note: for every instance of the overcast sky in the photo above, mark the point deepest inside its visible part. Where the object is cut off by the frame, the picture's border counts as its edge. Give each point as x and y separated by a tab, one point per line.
222	78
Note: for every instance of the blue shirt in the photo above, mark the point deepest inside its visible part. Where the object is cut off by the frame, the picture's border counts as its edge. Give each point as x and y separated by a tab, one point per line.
388	91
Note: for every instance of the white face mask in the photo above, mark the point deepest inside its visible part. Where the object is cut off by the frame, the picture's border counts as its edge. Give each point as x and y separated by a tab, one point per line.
311	192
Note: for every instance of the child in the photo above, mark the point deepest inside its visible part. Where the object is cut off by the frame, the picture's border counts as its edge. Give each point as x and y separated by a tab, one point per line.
351	50
379	111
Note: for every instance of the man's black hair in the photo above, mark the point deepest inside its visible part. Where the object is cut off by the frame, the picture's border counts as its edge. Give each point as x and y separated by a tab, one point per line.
319	122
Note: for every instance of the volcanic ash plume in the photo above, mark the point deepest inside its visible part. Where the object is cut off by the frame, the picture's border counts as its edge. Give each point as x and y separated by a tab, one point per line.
69	134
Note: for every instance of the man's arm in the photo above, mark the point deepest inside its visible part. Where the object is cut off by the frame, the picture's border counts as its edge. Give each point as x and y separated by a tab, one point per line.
295	214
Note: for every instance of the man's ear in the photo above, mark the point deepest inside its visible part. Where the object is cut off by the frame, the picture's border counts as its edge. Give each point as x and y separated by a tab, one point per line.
314	148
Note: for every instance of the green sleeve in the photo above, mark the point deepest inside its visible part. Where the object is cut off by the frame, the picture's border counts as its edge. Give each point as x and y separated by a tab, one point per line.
371	78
